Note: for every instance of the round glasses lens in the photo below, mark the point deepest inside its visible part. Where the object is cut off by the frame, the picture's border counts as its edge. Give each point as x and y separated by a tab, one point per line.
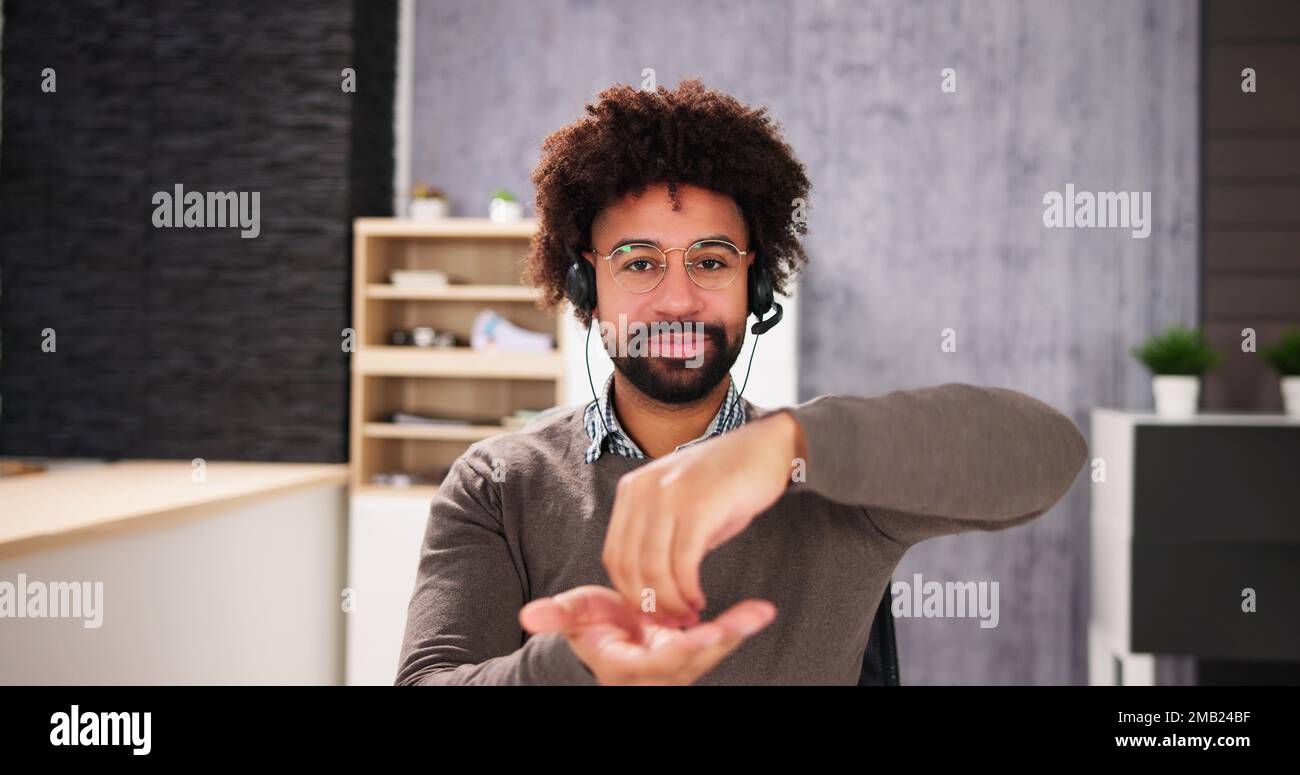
637	267
713	264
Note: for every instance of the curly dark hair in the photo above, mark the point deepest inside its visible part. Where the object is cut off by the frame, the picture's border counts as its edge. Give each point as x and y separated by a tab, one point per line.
633	139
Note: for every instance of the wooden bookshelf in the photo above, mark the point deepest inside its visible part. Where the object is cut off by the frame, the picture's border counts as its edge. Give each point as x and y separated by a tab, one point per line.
482	260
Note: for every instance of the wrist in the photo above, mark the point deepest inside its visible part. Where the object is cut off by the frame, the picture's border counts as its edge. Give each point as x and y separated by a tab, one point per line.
793	439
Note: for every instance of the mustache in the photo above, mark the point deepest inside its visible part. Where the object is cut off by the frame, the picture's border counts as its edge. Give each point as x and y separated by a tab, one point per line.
698	333
643	340
689	328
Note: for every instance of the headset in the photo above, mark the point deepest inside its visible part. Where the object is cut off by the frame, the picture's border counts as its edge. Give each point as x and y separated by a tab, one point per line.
581	292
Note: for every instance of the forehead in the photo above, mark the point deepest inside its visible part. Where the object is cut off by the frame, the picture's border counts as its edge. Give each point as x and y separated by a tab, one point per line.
651	215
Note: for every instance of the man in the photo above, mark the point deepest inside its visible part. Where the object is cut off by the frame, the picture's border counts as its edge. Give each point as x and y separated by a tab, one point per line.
670	531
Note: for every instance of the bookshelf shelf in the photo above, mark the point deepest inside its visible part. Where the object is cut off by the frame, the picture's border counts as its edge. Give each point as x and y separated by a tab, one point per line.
470	433
476	228
452	293
460	362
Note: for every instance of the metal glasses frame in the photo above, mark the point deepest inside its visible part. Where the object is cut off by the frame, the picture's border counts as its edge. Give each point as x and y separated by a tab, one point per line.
664	266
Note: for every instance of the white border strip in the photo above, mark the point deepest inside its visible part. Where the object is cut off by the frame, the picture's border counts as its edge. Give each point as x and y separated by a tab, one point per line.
402	99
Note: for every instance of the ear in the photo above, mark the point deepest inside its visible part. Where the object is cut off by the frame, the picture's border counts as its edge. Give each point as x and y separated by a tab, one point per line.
590	256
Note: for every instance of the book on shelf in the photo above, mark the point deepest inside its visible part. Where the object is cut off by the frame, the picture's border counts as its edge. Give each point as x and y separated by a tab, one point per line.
418	278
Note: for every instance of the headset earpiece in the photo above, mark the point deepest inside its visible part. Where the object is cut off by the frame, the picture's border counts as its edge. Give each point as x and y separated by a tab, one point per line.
762	299
580	283
760	290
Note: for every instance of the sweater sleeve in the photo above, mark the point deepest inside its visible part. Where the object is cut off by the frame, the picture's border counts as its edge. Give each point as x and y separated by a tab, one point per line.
939	460
462	624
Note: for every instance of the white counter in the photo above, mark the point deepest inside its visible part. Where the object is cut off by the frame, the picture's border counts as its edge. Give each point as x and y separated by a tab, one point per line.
234	576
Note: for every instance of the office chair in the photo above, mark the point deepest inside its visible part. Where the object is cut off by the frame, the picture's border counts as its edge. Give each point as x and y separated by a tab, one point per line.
880	660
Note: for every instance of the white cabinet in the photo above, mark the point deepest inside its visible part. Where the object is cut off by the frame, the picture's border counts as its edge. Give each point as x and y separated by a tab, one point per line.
384	537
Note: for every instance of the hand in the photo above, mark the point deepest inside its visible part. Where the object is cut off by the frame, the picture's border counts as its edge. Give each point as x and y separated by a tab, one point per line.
620	645
670	512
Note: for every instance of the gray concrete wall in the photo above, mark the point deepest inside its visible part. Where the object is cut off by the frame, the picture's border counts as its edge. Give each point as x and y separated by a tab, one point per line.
926	213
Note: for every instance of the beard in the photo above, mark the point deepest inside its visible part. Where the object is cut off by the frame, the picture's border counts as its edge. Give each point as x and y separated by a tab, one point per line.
670	381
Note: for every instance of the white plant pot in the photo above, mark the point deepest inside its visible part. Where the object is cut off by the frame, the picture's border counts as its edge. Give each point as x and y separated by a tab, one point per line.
423	209
1291	395
505	211
1175	395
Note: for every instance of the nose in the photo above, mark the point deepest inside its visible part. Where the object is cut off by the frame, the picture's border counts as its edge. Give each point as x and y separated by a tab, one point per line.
677	297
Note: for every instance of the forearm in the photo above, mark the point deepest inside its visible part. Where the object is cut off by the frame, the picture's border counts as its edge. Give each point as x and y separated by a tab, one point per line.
957	452
543	660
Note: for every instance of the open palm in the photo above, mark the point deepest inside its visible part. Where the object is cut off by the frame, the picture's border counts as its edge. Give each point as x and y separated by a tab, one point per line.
621	645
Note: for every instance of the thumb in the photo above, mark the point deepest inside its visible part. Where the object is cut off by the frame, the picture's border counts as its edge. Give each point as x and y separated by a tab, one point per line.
543	615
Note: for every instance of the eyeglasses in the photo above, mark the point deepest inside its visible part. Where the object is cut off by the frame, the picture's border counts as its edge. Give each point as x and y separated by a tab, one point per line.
639	267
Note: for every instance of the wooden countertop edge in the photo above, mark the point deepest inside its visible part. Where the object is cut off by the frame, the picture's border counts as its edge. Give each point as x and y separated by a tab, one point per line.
162	517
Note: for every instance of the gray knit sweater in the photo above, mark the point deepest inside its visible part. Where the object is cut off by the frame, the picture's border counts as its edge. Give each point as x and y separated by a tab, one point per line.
520	516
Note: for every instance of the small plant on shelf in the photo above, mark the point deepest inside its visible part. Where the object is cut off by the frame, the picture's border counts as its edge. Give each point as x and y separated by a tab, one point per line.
504	208
428	203
1284	356
1177	358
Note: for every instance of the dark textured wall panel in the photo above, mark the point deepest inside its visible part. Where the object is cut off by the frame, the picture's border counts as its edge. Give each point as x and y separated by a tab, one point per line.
1251	193
185	342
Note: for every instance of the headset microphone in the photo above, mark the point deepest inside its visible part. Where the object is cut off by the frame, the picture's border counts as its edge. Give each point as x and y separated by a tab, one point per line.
763	326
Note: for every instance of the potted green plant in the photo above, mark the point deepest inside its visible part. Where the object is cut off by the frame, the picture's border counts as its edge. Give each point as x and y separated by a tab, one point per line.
427	203
1284	357
504	208
1177	358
